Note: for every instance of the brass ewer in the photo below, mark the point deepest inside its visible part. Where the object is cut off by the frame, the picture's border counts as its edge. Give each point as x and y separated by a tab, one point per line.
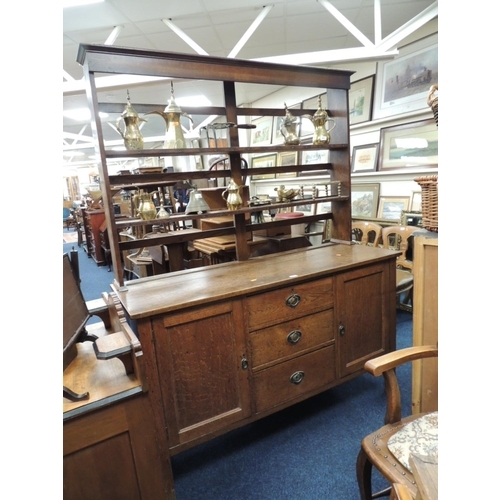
132	136
147	209
232	195
289	126
319	120
174	137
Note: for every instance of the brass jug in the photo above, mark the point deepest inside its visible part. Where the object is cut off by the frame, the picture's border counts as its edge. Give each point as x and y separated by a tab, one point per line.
319	120
174	137
132	136
289	126
232	196
147	209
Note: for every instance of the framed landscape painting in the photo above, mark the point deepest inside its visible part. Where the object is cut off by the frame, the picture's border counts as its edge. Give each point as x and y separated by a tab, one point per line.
410	145
361	100
364	200
402	83
391	207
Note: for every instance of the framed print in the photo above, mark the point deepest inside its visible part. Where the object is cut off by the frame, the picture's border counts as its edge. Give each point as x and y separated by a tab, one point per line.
264	161
361	100
391	207
262	134
402	84
314	156
409	145
416	201
410	218
364	200
364	158
286	159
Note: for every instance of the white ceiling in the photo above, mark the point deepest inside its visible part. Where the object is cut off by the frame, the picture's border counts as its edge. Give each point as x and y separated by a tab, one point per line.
216	26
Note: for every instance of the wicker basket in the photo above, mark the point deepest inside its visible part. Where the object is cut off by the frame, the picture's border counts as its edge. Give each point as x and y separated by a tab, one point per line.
429	185
432	101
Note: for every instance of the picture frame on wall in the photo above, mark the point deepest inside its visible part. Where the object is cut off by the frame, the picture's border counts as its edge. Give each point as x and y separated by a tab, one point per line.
409	145
361	100
364	199
263	131
416	201
364	158
402	83
264	161
391	207
285	159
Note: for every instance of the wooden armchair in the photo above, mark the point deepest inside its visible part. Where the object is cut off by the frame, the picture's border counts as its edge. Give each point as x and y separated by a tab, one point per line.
390	449
401	238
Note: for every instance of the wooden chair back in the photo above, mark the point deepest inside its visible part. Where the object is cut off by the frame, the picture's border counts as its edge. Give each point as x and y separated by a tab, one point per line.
400	238
367	233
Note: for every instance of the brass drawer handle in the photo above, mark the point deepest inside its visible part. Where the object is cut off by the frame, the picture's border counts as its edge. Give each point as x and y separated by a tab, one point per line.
294	336
293	300
297	377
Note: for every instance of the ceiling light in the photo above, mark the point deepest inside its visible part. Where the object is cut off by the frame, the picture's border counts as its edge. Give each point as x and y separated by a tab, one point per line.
78	3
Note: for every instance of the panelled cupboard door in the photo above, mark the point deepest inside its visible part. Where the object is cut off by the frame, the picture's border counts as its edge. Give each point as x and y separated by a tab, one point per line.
366	309
203	370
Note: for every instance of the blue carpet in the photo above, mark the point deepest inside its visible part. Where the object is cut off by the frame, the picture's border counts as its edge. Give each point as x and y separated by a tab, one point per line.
306	452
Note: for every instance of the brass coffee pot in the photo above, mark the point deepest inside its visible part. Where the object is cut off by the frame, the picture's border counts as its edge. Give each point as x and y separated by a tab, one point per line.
174	138
319	119
147	209
289	126
232	195
132	136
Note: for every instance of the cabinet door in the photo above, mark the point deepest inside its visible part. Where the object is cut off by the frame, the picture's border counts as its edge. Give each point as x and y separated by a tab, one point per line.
366	315
203	370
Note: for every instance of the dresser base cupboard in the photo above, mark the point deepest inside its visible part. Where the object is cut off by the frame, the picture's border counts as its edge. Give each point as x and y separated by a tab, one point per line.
225	345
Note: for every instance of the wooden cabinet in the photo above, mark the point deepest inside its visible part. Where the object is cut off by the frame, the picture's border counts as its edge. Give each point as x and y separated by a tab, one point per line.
232	343
92	221
365	312
230	73
114	445
425	320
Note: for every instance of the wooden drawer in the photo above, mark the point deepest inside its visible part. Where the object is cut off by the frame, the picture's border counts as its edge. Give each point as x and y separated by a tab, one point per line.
287	303
279	342
311	371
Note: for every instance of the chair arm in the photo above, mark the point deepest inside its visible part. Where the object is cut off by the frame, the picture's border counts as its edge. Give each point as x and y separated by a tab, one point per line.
386	365
377	366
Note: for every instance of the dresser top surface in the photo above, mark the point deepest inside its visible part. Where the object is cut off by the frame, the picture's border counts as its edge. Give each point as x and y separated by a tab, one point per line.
174	291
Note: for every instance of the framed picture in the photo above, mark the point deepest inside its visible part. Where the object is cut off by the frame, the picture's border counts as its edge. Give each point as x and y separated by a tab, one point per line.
364	200
416	201
361	100
262	134
286	159
409	145
391	207
410	218
364	158
402	84
264	161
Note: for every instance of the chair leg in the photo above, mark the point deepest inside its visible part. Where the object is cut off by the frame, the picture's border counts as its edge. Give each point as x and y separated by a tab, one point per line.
364	475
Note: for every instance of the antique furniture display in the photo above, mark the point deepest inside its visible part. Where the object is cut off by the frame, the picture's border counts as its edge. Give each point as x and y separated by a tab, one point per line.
97	59
227	344
391	447
425	319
